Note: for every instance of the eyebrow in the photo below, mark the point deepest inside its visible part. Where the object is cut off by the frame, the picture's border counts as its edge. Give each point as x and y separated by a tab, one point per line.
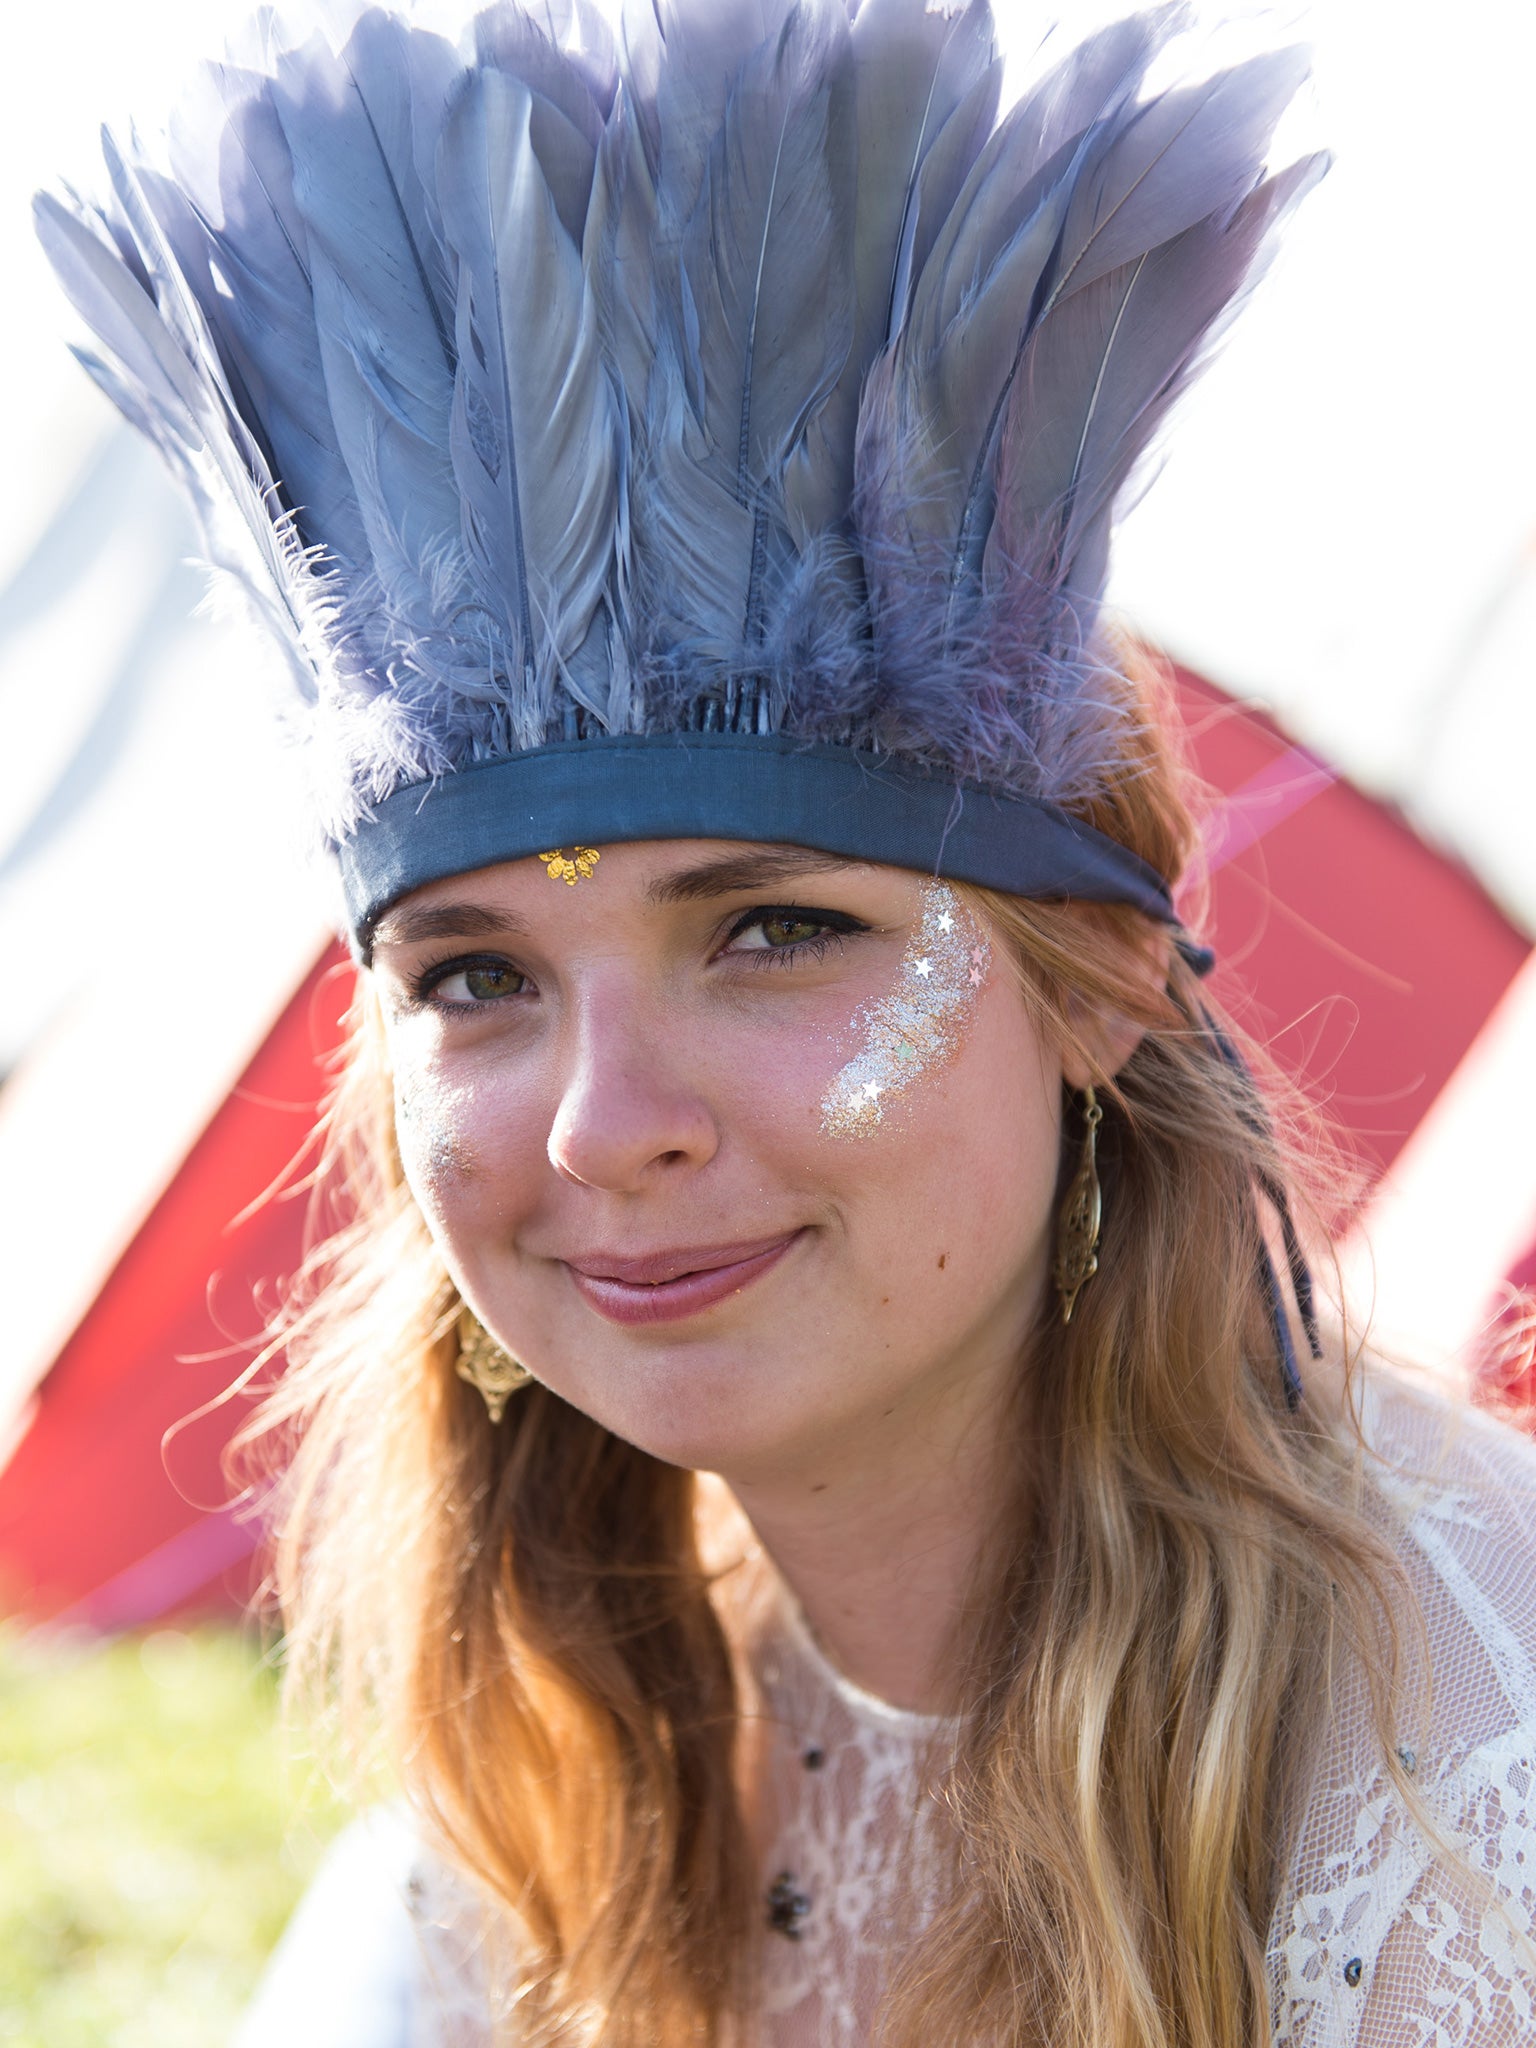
726	873
410	927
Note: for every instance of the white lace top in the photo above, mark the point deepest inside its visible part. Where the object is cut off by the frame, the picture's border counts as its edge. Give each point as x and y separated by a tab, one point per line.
1375	1942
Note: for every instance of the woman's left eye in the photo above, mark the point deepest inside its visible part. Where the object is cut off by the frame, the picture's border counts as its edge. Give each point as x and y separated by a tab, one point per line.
785	933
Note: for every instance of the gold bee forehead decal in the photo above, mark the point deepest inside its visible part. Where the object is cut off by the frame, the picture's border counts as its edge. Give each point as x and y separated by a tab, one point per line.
580	865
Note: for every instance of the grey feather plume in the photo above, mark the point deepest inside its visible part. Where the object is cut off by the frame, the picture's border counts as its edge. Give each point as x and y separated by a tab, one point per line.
162	370
749	375
1058	315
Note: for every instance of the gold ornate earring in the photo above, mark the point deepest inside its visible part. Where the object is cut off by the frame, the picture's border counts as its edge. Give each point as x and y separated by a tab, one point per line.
1077	1227
494	1374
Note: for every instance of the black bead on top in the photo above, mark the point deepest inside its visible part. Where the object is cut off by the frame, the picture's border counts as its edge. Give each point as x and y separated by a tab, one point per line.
788	1907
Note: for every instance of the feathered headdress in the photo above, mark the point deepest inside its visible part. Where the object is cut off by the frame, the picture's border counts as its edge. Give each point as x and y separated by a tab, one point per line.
716	435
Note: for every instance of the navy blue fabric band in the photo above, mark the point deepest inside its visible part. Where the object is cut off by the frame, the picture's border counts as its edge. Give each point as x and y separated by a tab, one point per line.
600	792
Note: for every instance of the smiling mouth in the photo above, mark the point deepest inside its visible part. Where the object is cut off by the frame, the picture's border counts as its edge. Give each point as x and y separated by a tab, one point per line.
663	1287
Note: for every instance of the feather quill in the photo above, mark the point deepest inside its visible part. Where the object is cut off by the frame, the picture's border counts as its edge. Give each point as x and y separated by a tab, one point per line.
534	427
1103	371
692	56
1026	244
756	333
164	375
378	282
230	213
913	70
619	251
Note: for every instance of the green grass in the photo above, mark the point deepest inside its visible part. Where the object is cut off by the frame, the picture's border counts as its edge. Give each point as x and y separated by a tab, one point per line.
152	1838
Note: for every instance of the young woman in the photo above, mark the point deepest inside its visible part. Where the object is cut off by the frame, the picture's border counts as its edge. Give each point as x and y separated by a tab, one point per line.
802	1458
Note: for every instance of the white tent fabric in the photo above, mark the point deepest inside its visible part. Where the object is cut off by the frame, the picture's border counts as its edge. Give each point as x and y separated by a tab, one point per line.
154	915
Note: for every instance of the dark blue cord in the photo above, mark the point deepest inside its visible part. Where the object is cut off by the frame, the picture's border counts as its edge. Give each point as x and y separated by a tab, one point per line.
1274	1194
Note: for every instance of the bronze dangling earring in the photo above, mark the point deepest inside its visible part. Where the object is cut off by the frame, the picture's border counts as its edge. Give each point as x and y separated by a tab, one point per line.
494	1374
1077	1227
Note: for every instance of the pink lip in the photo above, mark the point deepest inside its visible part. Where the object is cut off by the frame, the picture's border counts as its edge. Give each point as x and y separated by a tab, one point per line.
665	1286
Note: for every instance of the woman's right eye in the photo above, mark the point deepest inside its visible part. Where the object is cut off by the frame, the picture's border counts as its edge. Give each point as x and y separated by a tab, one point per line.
468	984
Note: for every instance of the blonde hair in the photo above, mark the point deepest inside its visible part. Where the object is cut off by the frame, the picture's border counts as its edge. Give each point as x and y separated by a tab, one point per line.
521	1619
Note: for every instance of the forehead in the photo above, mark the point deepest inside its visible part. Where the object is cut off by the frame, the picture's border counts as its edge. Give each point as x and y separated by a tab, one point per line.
644	873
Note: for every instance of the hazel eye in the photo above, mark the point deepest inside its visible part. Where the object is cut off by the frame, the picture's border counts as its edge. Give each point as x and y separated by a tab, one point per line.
481	981
780	929
786	934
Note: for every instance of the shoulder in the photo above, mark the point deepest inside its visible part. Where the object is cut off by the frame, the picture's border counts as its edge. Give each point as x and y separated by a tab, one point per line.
381	1952
343	1972
1396	1925
1457	1500
1428	1444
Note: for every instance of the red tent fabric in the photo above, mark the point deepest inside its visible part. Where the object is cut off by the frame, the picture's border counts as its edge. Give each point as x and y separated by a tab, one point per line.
106	1517
1368	959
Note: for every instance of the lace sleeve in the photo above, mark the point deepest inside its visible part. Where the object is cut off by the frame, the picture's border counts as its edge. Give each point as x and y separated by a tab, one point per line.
1450	1969
1382	1940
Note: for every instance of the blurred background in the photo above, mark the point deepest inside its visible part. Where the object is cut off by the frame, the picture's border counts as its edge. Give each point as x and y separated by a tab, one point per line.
1340	554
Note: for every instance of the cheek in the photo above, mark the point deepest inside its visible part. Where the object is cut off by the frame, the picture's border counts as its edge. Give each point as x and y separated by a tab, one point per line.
430	1129
951	1187
985	1136
456	1138
919	1026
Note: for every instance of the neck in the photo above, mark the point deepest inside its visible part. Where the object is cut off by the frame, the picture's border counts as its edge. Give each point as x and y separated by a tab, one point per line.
886	1548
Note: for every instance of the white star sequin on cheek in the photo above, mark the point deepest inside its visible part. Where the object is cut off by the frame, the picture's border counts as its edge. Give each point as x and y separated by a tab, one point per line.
915	1029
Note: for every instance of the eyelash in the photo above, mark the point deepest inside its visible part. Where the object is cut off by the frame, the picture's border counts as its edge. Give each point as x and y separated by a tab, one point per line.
422	984
838	926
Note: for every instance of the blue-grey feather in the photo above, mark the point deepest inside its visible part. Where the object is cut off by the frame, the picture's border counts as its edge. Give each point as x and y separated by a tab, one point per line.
230	213
752	376
534	428
569	106
619	250
377	279
751	340
165	377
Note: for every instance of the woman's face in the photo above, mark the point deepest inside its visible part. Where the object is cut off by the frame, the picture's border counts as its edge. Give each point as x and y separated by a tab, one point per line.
741	1149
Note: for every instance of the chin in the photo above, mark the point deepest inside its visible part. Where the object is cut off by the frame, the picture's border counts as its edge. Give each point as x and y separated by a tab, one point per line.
714	1406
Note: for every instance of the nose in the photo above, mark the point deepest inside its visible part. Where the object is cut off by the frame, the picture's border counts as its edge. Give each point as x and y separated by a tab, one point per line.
629	1112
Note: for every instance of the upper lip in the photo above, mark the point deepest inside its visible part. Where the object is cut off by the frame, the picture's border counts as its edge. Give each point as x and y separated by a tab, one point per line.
653	1269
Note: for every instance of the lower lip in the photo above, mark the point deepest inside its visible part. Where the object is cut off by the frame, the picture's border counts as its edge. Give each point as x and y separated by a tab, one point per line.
688	1295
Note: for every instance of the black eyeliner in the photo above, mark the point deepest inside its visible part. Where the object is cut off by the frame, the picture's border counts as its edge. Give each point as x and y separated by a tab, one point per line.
839	921
422	983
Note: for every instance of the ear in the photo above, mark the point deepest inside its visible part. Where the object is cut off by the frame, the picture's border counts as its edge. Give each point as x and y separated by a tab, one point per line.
1107	1042
1102	1039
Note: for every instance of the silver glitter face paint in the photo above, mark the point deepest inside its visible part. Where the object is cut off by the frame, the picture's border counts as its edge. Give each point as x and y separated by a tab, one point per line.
431	1150
916	1029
